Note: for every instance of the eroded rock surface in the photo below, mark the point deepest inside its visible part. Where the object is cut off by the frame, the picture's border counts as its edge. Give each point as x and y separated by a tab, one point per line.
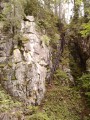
23	64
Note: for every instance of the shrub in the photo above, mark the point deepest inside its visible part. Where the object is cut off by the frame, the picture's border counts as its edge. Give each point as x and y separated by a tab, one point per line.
84	82
6	102
46	39
60	75
39	116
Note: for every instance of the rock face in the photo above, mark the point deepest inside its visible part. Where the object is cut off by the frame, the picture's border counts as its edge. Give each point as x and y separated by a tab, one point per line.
23	64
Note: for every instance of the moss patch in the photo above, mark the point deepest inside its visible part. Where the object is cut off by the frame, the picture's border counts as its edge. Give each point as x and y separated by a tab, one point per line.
6	102
10	64
2	65
5	78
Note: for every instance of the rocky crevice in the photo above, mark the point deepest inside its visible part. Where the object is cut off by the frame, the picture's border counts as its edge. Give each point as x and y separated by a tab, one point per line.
79	56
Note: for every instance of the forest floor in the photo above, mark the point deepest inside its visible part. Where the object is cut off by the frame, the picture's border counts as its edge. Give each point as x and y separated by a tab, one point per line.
63	102
60	103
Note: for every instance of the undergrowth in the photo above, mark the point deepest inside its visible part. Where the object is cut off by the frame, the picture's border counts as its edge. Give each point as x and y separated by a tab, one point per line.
62	103
6	101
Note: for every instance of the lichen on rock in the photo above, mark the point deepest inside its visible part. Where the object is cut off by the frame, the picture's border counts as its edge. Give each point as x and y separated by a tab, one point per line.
25	69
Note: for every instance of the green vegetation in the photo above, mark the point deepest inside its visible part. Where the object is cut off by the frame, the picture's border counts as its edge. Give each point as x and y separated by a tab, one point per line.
12	15
86	29
60	75
84	83
78	36
5	78
62	103
10	64
46	39
2	65
15	11
38	116
6	102
13	77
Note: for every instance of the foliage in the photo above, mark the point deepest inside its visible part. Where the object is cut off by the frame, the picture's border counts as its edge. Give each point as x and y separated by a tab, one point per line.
75	65
12	15
85	85
32	109
20	38
60	75
31	7
85	79
46	39
39	116
6	102
65	57
87	118
86	29
14	11
45	18
62	103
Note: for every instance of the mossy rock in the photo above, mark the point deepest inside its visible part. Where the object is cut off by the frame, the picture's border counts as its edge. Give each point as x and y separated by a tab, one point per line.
24	39
10	64
2	65
6	101
5	79
13	77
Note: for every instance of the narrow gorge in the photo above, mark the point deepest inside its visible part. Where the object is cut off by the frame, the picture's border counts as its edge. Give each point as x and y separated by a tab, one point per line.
44	60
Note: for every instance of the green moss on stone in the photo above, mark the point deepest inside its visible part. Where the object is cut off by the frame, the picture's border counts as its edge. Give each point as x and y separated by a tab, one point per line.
2	65
5	78
6	102
10	64
13	77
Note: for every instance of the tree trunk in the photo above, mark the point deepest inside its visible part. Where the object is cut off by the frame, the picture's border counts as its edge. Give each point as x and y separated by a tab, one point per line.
56	13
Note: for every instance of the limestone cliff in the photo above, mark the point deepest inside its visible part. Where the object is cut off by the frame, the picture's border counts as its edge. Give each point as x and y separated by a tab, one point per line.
23	64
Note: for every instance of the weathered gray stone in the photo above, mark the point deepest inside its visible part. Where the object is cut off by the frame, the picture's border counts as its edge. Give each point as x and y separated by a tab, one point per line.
31	18
2	59
25	69
17	56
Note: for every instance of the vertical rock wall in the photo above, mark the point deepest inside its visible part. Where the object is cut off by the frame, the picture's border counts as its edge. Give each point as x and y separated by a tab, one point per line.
23	64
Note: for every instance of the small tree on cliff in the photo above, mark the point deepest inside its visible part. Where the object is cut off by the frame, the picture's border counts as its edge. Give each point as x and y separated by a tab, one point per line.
12	15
